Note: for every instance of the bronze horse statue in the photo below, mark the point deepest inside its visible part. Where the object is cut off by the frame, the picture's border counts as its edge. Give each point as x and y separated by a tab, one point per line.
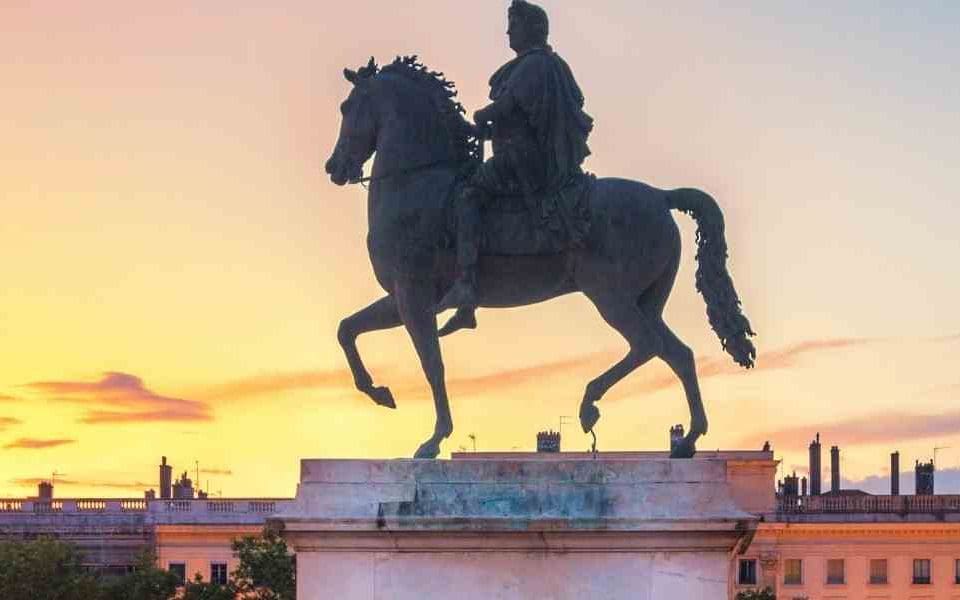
626	266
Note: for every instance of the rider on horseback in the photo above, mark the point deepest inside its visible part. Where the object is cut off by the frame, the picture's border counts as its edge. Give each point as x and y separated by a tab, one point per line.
539	133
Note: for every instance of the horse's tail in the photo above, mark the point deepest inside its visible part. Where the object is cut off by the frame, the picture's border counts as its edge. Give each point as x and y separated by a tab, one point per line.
713	280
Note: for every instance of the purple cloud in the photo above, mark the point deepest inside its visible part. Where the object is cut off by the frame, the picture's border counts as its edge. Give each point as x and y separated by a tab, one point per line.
873	429
125	398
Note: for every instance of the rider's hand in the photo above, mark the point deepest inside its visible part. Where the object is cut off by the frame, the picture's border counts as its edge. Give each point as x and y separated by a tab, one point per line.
481	117
482	131
482	126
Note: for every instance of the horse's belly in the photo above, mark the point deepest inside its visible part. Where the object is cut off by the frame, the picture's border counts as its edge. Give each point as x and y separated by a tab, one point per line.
507	281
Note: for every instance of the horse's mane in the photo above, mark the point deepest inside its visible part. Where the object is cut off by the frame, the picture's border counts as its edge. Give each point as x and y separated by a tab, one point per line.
443	95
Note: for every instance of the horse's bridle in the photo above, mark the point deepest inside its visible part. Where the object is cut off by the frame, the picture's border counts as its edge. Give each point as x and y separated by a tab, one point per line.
424	167
406	171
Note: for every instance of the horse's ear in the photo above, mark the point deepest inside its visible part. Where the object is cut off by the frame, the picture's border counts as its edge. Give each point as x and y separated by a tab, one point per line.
351	76
372	65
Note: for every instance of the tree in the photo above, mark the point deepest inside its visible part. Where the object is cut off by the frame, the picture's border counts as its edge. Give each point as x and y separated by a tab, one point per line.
267	570
146	582
44	569
200	590
765	594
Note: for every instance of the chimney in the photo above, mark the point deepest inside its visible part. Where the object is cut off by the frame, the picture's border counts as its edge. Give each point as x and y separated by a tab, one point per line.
548	442
791	485
676	436
815	467
835	469
895	474
803	486
166	479
924	478
183	488
45	491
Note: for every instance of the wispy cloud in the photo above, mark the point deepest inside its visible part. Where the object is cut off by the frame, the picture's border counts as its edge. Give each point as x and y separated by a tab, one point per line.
273	383
35	444
773	360
6	398
873	429
948	482
126	397
402	384
216	471
91	483
948	338
8	422
511	378
588	365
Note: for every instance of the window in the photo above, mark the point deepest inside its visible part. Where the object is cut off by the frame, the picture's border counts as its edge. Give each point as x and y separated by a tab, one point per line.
792	571
180	570
956	571
878	571
835	571
218	573
921	571
748	572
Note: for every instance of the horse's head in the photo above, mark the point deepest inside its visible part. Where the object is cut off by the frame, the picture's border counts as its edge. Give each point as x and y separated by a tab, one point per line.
358	128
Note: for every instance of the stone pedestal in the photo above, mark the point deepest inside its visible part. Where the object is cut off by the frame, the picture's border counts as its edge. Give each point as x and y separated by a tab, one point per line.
511	528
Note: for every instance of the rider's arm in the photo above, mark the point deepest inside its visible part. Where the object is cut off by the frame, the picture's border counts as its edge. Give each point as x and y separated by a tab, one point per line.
491	113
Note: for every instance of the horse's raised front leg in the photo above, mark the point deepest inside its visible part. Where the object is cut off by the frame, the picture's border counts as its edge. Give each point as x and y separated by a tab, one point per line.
382	314
416	305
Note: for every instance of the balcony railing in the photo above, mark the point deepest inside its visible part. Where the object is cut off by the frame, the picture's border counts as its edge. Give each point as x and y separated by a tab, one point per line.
218	508
868	504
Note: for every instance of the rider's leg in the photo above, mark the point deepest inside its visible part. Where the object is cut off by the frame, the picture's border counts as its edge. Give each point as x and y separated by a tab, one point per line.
463	293
464	318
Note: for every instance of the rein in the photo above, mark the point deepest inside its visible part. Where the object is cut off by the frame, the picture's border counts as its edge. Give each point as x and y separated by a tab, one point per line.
437	163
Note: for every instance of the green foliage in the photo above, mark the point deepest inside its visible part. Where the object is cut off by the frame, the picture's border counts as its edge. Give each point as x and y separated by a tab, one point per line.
146	582
200	590
765	594
44	569
267	570
47	569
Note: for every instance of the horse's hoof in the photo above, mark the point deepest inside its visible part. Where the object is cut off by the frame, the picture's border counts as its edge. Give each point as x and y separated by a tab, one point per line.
684	449
589	415
383	397
428	450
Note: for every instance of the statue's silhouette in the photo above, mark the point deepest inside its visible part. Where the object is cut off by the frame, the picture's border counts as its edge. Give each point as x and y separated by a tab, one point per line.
614	240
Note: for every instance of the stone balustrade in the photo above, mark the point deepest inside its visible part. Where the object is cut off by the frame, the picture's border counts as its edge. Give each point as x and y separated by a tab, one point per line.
902	505
166	511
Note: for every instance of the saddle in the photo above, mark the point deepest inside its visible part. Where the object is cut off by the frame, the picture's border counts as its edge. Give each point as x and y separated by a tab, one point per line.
543	223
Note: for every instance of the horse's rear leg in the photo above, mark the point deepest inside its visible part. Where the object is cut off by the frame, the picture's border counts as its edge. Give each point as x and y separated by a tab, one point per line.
622	314
382	314
680	359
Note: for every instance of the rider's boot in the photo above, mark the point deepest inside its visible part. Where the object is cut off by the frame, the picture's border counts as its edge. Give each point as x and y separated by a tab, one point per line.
463	294
464	318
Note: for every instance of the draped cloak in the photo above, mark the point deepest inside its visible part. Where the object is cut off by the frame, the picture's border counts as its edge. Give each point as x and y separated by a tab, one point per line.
545	141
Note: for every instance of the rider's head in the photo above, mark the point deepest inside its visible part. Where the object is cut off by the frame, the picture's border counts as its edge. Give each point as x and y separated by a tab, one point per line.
529	26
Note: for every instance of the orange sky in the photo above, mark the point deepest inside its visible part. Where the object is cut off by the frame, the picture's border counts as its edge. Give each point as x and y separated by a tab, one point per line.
175	263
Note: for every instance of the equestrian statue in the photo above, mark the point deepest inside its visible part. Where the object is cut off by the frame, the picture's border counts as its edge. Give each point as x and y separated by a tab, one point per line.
450	230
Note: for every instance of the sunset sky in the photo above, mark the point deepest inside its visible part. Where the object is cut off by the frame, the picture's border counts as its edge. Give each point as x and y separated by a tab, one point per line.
174	263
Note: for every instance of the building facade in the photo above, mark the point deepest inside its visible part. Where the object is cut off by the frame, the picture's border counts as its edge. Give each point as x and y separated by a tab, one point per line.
838	545
856	547
851	545
188	537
